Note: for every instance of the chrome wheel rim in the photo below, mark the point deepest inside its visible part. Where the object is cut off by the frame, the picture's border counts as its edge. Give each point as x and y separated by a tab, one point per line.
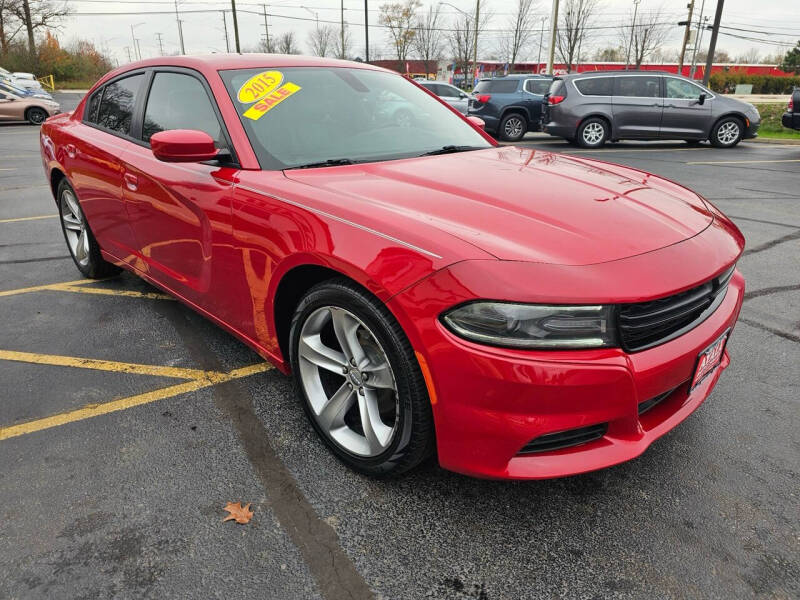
593	133
75	228
348	381
37	117
513	127
728	132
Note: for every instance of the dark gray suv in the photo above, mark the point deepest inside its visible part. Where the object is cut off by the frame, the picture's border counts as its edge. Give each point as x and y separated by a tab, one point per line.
593	108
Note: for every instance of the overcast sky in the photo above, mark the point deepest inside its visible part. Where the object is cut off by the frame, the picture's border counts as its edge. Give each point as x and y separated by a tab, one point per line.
768	20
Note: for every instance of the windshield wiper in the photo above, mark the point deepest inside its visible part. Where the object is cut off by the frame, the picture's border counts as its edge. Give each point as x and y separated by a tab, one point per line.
331	162
451	150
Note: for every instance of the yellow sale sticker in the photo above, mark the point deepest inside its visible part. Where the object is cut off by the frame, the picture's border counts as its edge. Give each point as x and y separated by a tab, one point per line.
260	108
259	86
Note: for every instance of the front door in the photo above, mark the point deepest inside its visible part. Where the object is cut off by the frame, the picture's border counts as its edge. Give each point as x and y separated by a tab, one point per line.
684	116
637	106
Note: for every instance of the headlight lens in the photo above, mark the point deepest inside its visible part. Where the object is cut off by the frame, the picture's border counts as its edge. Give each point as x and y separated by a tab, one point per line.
533	325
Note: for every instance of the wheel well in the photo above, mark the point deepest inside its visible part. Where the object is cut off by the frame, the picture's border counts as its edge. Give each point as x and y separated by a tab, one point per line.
291	289
56	175
515	109
736	116
597	116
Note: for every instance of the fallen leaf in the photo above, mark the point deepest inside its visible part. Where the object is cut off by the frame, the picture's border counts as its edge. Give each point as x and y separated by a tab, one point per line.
237	513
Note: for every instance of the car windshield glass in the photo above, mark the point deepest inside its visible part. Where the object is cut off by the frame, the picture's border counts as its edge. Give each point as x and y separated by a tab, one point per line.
307	115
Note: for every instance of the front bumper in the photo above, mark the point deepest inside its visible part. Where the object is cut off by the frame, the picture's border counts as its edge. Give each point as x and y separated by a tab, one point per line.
751	130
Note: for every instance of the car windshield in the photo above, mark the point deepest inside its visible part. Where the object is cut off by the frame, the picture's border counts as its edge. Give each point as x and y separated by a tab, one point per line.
326	116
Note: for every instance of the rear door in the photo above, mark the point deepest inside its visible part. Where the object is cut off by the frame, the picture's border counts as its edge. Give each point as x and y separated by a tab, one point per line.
637	105
453	96
181	212
684	117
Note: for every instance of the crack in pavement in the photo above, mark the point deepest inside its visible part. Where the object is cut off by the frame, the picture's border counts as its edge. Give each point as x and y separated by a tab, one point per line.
789	237
770	290
32	260
333	571
788	336
778	223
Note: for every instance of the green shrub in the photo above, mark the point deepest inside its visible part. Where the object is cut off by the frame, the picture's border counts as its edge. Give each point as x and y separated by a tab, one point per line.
726	82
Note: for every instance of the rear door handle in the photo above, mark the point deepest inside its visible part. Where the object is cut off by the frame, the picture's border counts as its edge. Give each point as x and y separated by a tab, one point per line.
131	181
72	151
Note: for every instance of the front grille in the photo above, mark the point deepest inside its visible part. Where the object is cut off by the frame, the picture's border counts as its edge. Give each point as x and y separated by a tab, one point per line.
565	439
648	404
646	324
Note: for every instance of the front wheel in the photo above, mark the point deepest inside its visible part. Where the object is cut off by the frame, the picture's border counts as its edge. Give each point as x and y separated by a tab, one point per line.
359	380
593	133
727	133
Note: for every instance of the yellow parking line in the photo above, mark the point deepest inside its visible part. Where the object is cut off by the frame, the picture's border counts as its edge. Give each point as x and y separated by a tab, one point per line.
49	286
95	410
637	150
107	365
25	218
110	292
743	162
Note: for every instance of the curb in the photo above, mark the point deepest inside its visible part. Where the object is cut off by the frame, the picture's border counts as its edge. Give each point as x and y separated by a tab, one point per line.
781	141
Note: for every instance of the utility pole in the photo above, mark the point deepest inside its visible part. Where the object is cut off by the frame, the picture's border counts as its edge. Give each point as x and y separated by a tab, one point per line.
225	27
342	46
541	43
160	44
128	50
180	28
268	48
688	29
553	26
236	25
366	28
133	41
712	45
633	27
475	49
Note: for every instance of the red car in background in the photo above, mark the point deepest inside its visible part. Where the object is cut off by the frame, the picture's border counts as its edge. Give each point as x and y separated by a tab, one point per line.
521	314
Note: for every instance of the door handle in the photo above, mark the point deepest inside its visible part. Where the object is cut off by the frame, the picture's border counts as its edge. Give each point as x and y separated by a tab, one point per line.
131	181
72	151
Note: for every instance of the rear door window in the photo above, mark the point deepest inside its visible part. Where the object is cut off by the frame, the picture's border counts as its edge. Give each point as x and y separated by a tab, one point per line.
595	86
116	107
638	86
447	91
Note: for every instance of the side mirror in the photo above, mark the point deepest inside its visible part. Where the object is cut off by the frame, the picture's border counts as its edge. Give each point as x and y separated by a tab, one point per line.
183	145
462	95
702	99
477	121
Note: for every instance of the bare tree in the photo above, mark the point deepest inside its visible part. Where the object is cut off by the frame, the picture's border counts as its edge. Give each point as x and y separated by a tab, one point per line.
399	19
10	25
573	31
751	57
285	43
428	42
521	29
343	50
644	35
610	54
320	40
40	15
462	40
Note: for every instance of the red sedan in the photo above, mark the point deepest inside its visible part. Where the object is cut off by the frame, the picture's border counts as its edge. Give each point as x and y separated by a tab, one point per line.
519	313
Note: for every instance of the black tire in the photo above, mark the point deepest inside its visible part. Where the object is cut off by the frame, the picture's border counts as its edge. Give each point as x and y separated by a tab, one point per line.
94	266
693	142
592	133
721	133
414	439
35	115
513	127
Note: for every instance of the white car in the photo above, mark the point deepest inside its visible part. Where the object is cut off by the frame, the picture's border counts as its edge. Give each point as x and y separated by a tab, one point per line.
455	97
27	81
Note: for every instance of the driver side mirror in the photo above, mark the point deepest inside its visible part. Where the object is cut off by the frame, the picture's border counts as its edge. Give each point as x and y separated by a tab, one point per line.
183	145
462	95
702	99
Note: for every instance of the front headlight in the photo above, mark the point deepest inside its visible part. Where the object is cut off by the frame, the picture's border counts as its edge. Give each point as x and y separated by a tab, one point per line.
533	325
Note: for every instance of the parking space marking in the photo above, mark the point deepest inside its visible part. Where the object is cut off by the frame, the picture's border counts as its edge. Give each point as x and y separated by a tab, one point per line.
8	169
18	219
78	288
108	365
743	162
637	150
95	410
39	288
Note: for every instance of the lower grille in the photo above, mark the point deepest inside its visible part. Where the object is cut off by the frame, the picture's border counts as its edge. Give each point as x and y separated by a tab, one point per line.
648	404
646	324
565	439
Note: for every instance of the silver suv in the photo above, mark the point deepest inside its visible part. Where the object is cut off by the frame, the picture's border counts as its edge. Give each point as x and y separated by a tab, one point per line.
593	108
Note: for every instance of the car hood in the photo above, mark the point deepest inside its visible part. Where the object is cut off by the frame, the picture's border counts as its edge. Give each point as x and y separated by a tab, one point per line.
522	204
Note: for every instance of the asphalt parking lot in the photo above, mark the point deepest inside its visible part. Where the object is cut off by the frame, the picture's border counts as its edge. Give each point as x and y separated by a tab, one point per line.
127	422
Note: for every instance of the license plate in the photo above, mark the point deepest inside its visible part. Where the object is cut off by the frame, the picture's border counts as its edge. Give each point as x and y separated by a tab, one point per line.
709	359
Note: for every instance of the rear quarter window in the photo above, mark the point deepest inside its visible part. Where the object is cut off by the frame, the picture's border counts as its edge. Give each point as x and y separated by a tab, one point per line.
596	86
116	107
497	86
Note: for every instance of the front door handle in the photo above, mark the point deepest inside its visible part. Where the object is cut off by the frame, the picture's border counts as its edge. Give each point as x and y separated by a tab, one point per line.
131	181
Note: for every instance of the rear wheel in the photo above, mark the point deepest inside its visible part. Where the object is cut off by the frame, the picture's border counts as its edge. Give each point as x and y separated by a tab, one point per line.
36	116
513	127
359	380
727	133
593	133
81	242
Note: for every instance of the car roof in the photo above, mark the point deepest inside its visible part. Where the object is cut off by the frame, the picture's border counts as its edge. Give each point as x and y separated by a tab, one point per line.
517	76
615	73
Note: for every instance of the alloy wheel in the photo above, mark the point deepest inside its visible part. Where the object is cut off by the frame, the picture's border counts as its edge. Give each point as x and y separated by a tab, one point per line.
728	132
37	116
513	127
75	228
593	133
348	381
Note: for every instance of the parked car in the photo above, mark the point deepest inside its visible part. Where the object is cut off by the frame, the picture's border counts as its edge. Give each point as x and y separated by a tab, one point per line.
28	108
510	106
519	313
791	118
593	108
455	97
5	86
